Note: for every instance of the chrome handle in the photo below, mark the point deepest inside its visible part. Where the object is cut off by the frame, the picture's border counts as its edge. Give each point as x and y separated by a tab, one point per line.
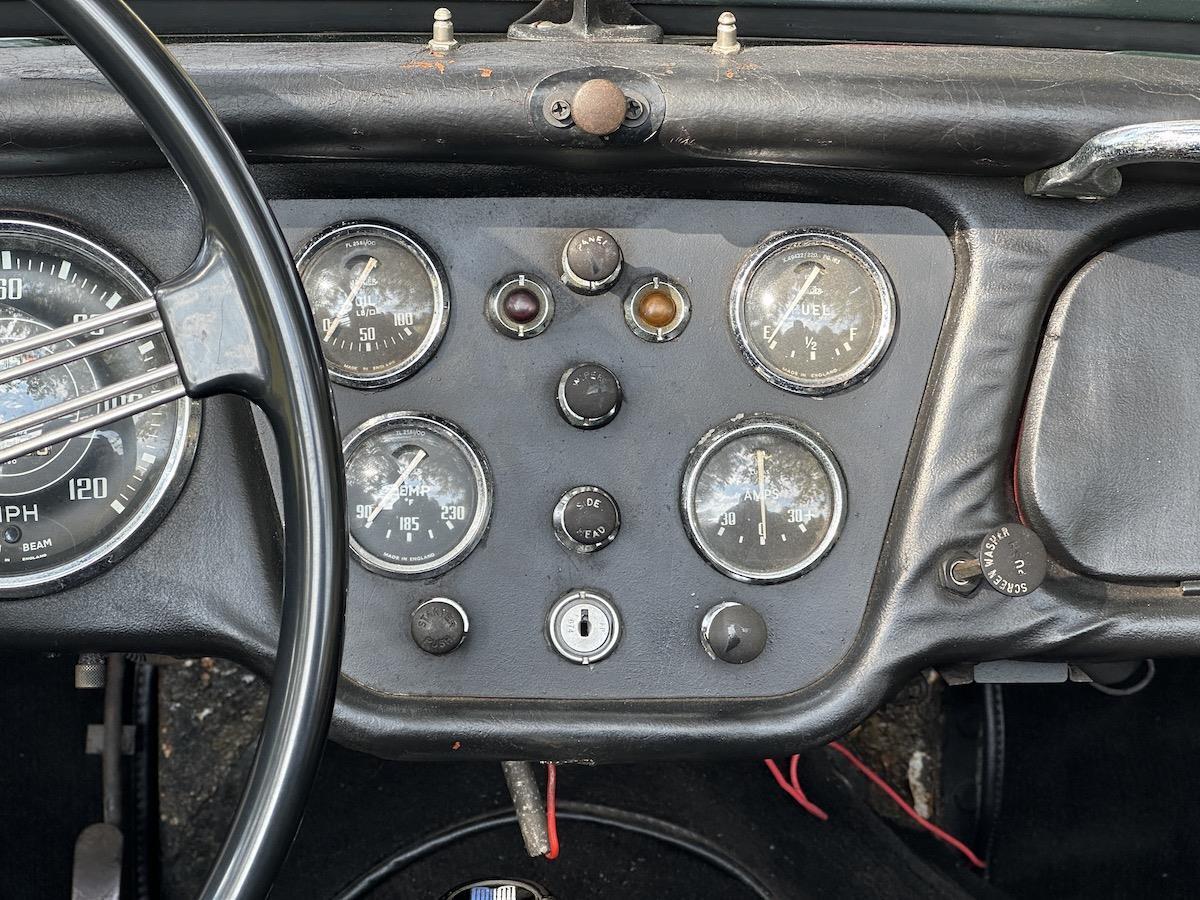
1092	173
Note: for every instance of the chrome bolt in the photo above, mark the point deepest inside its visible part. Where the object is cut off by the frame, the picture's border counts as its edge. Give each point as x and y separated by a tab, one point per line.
443	32
727	37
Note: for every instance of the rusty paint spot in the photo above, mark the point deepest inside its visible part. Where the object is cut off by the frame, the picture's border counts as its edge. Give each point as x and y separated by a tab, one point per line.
729	73
485	72
435	64
456	745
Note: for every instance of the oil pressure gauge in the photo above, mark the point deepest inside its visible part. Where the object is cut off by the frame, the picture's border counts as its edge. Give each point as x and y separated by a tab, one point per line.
812	311
418	494
379	299
763	499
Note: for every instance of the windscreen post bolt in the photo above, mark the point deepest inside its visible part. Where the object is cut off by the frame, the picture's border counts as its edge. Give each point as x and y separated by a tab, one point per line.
727	42
443	40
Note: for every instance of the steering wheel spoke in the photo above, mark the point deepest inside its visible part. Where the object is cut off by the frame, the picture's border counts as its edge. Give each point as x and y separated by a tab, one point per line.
206	316
29	433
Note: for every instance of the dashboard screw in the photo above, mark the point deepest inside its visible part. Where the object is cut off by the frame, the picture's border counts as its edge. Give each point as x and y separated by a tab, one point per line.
556	110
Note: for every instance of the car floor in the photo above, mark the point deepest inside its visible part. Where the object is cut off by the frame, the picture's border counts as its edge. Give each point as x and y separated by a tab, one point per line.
1097	803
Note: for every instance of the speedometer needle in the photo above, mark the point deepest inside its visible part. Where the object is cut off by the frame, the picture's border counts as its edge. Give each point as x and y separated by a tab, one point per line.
348	303
808	282
392	494
760	457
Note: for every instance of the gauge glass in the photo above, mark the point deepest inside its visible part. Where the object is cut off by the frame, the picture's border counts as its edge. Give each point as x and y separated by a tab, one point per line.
812	311
418	494
69	510
763	499
379	299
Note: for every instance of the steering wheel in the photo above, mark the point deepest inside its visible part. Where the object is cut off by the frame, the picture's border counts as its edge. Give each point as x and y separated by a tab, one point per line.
238	323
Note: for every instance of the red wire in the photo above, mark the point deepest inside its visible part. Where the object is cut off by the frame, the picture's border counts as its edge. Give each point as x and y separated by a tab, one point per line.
551	815
793	789
875	779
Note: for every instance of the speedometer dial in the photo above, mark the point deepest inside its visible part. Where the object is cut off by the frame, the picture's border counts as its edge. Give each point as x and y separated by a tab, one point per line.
812	311
763	498
379	299
72	508
418	494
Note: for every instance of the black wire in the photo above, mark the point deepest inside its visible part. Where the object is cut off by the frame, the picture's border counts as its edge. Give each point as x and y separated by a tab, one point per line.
593	814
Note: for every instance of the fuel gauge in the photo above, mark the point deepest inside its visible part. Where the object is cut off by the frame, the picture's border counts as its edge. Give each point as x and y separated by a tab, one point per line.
812	311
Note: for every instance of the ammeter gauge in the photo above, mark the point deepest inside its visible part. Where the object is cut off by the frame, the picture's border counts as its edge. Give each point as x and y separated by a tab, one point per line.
763	498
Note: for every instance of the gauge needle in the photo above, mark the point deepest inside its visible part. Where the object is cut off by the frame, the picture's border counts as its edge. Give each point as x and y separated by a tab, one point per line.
761	457
808	282
348	303
392	494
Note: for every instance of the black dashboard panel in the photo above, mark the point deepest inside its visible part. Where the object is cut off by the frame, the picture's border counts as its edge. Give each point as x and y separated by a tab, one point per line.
1111	424
502	392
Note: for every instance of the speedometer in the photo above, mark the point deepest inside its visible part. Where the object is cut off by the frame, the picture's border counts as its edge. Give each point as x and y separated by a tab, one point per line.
71	509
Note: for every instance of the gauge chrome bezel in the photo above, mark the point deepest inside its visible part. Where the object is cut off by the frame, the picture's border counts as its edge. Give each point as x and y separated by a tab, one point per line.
739	427
134	530
885	295
441	298
483	494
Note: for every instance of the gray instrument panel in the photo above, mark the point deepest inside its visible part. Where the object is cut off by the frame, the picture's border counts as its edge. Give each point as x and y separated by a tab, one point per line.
502	393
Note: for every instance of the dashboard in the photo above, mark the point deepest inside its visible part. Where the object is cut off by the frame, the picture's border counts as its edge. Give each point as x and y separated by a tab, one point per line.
500	444
649	447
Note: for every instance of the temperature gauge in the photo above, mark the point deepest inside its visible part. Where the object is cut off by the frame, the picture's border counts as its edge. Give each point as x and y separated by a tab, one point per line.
763	499
418	494
379	299
812	311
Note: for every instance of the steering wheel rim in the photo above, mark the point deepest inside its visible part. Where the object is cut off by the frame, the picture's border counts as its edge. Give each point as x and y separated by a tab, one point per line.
283	373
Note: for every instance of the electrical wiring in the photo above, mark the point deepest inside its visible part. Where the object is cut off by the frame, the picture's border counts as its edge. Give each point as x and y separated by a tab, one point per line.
791	786
878	781
793	789
635	823
552	809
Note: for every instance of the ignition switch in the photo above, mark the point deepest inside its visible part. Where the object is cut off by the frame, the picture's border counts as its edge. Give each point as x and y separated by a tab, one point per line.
584	627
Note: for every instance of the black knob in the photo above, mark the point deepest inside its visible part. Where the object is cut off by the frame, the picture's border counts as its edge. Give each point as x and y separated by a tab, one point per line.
586	519
1011	558
733	633
589	395
439	625
591	261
